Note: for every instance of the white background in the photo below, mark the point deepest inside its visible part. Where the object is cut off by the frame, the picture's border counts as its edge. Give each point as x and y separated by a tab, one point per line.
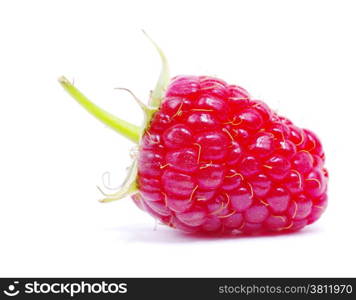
298	56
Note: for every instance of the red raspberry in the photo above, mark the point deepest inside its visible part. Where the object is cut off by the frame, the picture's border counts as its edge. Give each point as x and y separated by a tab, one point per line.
212	159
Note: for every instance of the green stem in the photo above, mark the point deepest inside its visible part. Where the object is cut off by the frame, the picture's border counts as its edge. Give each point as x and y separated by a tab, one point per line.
126	129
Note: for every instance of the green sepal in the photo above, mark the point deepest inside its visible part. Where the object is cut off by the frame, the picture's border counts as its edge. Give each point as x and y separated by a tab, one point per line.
163	79
128	188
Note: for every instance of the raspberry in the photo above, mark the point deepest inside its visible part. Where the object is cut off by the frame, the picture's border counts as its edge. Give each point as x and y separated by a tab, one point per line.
212	178
212	159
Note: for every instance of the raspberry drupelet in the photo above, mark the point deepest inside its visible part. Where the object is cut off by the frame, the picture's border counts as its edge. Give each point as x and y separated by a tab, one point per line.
212	159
